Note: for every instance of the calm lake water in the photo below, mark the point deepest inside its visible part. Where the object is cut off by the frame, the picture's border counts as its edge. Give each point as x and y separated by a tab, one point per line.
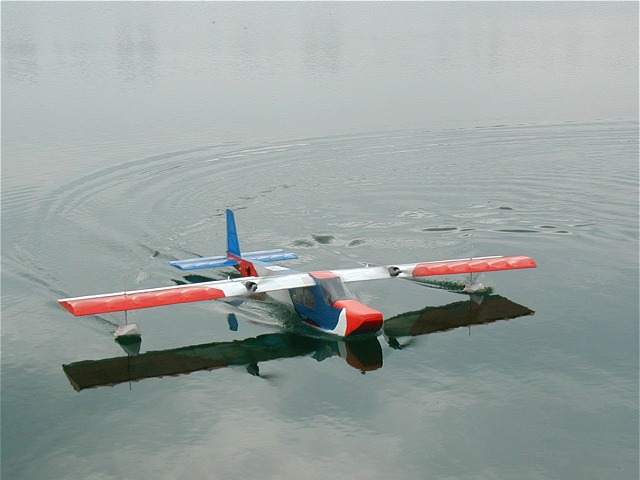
347	133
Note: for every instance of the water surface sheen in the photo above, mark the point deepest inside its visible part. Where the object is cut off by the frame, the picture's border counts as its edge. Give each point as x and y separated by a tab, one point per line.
322	144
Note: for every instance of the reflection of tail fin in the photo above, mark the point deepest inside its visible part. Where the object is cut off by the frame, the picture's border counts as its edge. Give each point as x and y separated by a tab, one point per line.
233	245
233	257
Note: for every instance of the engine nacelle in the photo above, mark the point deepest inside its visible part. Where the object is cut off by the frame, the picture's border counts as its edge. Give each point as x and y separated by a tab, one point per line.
394	271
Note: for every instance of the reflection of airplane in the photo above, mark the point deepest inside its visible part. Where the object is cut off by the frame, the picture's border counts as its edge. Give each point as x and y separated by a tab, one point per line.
363	352
321	298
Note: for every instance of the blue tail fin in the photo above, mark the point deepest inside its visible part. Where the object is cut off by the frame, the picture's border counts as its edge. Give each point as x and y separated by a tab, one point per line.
233	245
233	256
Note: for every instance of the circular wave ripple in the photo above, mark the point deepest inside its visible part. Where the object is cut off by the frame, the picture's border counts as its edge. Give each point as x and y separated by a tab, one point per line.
368	194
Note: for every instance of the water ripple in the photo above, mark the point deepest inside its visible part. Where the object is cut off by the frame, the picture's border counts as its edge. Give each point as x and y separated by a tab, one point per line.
403	189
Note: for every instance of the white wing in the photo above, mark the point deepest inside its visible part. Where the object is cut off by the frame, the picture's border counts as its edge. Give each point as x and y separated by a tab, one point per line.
425	269
194	292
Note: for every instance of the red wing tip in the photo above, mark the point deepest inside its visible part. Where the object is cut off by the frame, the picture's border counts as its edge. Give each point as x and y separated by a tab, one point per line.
118	302
472	265
68	306
526	262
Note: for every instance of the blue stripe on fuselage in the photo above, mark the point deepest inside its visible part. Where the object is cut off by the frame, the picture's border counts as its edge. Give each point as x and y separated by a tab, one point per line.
311	304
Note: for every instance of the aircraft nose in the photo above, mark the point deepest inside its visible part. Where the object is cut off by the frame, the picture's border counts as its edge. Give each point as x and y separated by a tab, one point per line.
360	317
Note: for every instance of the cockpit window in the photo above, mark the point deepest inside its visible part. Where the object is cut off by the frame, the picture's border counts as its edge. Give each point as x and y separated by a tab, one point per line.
333	290
303	296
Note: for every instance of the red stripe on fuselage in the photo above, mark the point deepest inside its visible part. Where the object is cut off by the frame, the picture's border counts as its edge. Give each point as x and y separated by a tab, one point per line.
323	274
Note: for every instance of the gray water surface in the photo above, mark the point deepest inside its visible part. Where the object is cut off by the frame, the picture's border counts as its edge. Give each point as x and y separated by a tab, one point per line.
348	133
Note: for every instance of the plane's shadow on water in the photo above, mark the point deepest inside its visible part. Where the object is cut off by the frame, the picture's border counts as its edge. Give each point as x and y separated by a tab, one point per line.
363	354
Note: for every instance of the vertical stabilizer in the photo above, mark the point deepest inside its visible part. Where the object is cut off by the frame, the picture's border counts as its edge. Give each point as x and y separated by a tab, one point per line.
233	245
234	257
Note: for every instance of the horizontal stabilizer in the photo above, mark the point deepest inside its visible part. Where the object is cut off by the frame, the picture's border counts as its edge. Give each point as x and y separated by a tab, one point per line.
204	262
275	255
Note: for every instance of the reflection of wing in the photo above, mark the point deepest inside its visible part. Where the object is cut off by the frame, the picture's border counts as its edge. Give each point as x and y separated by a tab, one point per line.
426	269
156	297
454	315
362	355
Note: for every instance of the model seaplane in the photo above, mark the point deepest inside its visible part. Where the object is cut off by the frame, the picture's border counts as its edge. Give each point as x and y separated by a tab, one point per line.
319	297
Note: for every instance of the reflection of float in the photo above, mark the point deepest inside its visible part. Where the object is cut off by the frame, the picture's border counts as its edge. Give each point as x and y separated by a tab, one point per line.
363	353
